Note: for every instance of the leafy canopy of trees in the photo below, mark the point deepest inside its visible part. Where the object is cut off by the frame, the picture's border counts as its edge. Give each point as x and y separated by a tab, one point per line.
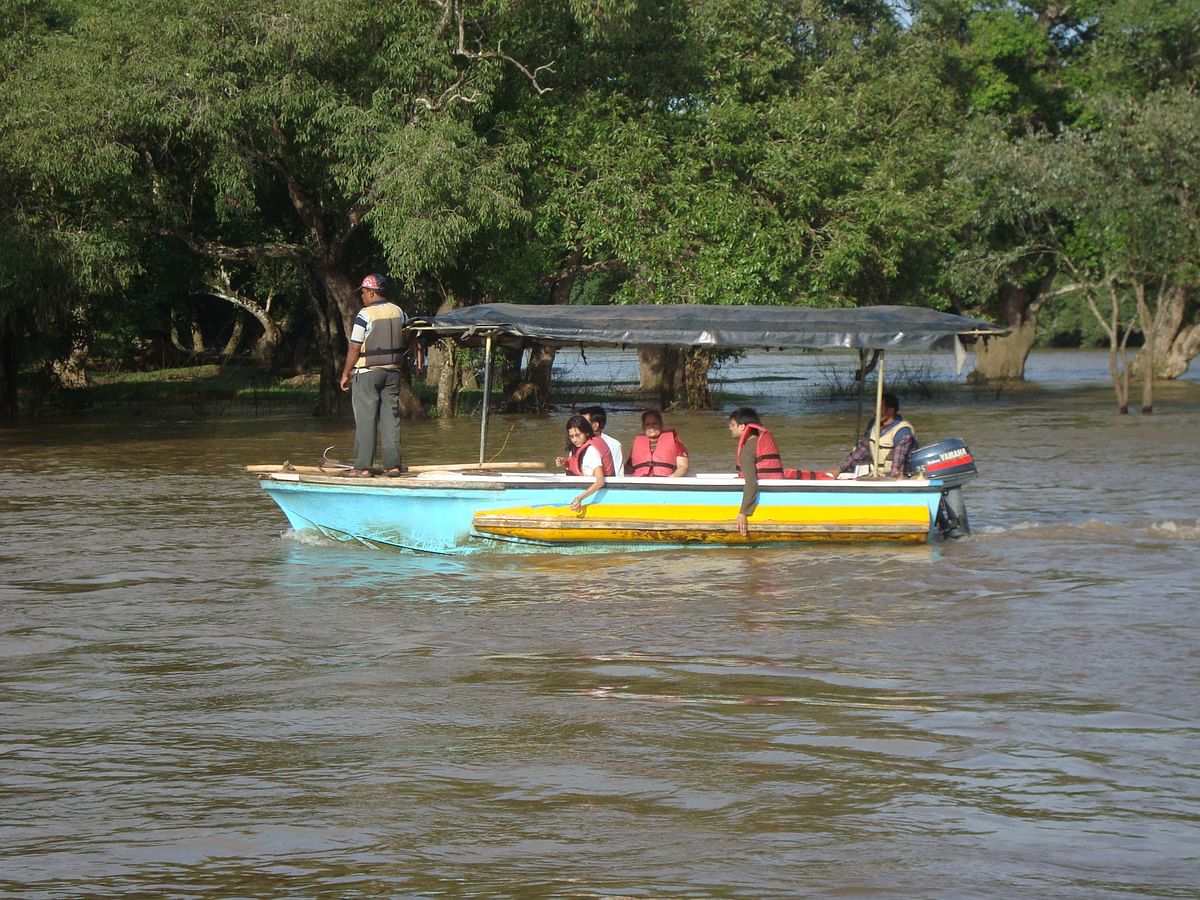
228	169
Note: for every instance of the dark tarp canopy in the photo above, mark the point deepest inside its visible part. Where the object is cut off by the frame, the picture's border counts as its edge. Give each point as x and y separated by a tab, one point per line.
691	325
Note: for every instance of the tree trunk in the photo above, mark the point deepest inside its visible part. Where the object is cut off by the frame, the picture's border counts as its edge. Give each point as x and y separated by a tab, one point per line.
176	340
197	338
533	393
411	406
8	366
1003	358
1178	356
329	392
441	367
235	336
446	375
660	374
436	358
1175	343
265	347
696	365
1118	344
1146	320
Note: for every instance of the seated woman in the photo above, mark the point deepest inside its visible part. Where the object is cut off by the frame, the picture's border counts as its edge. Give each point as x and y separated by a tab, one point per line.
656	451
587	454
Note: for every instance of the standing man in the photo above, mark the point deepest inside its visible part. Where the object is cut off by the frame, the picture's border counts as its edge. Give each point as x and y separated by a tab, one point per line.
374	357
890	446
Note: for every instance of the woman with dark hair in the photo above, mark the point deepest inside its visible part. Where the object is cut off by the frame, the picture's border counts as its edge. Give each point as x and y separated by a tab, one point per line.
587	454
657	450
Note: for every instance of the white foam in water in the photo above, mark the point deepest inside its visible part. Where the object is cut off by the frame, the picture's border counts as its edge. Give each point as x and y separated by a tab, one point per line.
1187	531
308	538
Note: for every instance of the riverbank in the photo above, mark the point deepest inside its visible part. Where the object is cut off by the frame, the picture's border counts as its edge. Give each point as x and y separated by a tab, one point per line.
784	382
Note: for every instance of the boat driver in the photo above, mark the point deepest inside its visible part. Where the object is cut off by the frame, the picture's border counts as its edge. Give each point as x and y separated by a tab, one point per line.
890	449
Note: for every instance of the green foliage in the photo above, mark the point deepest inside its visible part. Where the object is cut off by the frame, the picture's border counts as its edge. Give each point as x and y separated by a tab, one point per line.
708	151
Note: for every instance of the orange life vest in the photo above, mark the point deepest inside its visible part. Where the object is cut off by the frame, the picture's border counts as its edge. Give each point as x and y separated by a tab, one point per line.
575	460
659	461
767	462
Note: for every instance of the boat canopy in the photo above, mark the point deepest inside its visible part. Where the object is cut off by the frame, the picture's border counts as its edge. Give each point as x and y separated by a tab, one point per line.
717	327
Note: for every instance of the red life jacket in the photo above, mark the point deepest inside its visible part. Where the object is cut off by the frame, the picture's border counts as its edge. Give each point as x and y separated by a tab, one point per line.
767	462
659	461
575	460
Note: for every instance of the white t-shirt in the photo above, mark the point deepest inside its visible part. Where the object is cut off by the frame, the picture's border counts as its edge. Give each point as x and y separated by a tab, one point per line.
614	447
590	462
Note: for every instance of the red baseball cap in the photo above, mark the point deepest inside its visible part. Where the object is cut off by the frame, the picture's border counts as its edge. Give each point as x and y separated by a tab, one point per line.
375	283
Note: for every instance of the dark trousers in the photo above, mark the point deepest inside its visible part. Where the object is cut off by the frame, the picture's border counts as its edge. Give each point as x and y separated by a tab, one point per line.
375	397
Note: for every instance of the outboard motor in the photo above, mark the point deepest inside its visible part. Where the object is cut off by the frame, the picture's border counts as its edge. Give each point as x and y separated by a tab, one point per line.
950	462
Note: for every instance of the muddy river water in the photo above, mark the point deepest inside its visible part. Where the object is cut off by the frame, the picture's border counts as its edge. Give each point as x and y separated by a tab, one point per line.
196	701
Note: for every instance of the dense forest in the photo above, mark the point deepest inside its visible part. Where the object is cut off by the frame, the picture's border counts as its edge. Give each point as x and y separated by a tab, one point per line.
210	179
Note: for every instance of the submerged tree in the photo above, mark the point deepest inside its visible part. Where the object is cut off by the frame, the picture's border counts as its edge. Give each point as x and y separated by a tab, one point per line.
778	154
1049	163
1133	185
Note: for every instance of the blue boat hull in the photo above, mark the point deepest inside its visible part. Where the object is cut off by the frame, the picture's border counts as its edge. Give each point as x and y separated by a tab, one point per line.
456	513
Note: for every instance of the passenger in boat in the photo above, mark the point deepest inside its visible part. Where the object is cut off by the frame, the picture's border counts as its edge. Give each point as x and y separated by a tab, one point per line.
587	454
378	342
757	457
656	451
599	419
891	448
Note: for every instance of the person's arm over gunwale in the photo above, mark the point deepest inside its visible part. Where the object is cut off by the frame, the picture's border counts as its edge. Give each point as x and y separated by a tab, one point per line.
750	488
593	466
588	457
746	456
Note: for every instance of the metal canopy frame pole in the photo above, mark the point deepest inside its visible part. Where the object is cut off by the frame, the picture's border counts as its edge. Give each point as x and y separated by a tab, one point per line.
878	417
487	392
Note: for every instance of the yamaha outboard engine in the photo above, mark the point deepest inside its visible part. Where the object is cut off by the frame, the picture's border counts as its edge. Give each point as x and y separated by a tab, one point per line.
950	462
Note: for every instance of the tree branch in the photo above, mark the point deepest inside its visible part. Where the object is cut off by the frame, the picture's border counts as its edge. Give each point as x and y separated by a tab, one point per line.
300	203
273	250
608	265
354	220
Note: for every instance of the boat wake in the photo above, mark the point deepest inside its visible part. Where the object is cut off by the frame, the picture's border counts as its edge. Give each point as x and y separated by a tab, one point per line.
308	538
1089	529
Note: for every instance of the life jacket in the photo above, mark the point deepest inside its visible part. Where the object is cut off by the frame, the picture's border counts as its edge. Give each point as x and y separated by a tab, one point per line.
385	341
575	460
659	461
767	462
882	446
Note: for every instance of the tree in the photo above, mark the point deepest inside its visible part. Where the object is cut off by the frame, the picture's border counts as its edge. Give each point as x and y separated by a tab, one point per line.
1137	87
1134	182
791	153
1090	59
334	136
1010	59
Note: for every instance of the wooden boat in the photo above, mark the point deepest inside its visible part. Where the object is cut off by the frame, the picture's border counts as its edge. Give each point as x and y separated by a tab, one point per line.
449	512
470	507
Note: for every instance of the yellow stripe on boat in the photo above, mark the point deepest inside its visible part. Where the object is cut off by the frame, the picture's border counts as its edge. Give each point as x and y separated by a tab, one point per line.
710	524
